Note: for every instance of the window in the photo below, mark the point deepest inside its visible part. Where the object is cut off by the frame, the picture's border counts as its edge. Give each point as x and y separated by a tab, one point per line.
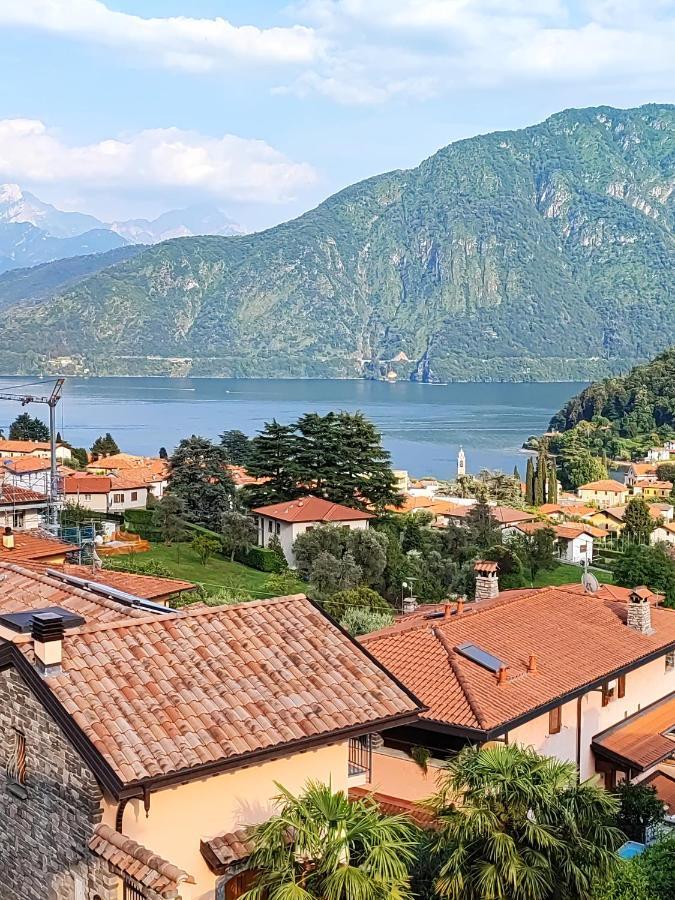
621	686
16	765
18	520
670	661
583	548
278	527
134	495
87	496
555	720
608	692
118	498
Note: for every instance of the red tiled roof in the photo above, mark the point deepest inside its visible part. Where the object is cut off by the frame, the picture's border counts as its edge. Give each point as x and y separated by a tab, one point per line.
395	806
571	530
144	867
174	692
640	740
150	587
644	468
659	485
606	485
32	545
128	461
412	504
22	588
24	464
226	849
9	494
87	484
506	515
577	638
664	782
311	509
9	446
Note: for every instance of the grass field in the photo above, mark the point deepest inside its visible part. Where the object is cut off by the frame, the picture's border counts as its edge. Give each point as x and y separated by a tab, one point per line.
216	574
564	574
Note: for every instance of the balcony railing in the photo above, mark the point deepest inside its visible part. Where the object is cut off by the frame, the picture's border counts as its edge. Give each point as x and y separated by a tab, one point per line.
360	756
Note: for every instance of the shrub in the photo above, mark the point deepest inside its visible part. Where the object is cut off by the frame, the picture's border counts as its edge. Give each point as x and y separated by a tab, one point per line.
359	620
640	808
205	547
360	597
260	558
137	566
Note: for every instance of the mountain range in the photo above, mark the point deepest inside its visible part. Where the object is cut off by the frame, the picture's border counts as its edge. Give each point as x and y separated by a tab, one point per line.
539	254
34	232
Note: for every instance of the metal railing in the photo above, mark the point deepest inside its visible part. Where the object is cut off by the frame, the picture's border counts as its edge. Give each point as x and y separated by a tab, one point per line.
360	756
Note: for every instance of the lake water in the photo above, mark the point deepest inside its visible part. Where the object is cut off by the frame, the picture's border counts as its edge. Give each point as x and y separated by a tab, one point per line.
423	425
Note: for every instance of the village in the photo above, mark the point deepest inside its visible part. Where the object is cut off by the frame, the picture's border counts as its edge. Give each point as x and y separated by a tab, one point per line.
161	677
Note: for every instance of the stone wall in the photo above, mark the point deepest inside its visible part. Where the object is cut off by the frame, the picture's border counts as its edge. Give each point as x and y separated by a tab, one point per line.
44	835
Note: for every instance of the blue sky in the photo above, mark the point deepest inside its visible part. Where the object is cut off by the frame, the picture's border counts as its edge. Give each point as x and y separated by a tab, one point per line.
124	108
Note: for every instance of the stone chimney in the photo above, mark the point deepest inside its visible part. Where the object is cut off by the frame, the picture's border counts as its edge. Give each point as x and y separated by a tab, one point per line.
487	582
47	633
640	611
410	604
8	539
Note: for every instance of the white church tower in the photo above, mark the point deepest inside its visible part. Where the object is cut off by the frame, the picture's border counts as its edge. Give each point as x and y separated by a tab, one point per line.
461	463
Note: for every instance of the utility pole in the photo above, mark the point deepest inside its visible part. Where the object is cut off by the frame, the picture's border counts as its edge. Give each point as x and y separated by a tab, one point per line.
51	401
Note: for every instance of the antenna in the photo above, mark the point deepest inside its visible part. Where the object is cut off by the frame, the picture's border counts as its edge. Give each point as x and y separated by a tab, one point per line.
590	583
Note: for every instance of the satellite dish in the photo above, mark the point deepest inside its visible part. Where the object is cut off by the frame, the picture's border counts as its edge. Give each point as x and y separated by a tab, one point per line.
590	583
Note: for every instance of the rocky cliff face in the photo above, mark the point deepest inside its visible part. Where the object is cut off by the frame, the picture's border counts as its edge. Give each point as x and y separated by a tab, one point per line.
542	253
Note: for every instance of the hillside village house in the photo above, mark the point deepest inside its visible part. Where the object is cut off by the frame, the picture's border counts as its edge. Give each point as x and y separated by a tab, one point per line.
21	507
290	519
640	472
664	533
603	493
574	540
659	454
652	490
36	449
612	521
139	743
104	494
587	678
147	470
30	472
28	547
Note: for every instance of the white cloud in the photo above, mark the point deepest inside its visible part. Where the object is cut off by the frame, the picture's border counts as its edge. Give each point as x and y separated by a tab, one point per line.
176	41
373	51
231	167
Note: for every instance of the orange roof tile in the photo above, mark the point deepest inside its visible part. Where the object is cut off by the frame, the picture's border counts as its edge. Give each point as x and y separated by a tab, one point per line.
33	545
644	468
150	587
9	446
23	588
507	515
87	484
654	485
664	782
606	485
226	849
128	857
395	806
9	494
571	530
547	508
178	691
311	509
640	740
21	465
578	639
128	461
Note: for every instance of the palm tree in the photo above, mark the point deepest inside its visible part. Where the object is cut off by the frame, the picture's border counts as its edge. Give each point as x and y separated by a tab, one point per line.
322	846
517	825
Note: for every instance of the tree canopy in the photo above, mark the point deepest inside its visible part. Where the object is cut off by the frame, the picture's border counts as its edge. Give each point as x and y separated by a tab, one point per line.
28	428
653	566
199	477
103	446
237	446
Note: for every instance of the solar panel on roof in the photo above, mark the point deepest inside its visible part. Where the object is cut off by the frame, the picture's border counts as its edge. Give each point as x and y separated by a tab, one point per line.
440	614
23	621
480	657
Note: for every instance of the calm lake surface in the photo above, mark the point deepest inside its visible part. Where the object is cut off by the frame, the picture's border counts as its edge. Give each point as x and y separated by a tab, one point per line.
423	425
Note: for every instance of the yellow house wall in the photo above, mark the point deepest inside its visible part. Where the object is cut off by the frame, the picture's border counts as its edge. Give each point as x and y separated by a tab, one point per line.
180	817
397	775
644	686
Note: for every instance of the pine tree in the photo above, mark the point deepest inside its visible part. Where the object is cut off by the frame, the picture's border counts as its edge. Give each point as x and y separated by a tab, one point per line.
104	446
272	456
199	477
529	482
26	428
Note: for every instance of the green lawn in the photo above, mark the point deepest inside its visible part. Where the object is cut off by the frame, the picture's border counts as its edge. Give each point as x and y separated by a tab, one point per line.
218	572
564	574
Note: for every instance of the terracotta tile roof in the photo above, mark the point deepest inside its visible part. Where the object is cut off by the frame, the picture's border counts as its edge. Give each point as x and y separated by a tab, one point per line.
485	565
143	866
241	477
311	509
412	504
226	849
23	588
21	465
664	782
644	468
150	587
606	485
654	485
9	494
577	638
33	545
547	508
571	530
8	446
621	594
395	806
640	740
174	692
579	511
616	512
128	461
87	484
506	515
128	482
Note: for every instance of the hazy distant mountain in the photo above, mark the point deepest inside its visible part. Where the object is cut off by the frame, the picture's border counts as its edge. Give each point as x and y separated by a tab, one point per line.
22	244
18	206
188	222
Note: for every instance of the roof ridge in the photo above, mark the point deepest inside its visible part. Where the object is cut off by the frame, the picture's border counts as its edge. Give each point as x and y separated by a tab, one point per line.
461	678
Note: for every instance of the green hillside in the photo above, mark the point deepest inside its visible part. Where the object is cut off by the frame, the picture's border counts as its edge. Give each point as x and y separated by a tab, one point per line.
545	253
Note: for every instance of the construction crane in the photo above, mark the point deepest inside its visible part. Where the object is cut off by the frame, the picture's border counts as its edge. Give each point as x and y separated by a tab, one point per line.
51	401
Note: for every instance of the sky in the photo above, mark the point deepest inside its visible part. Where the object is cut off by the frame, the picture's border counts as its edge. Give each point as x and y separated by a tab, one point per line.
126	108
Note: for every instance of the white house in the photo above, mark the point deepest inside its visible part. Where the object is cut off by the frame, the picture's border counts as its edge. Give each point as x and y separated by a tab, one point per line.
103	494
664	533
30	472
38	449
290	519
21	507
645	471
658	454
574	540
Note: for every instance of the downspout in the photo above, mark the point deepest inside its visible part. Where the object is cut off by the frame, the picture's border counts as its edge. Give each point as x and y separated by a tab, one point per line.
579	699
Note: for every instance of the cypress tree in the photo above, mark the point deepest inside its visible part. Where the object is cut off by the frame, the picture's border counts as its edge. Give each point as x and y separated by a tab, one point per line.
552	486
516	474
529	482
540	481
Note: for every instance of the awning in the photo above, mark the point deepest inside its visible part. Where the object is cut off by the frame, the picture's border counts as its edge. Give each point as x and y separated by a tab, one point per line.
641	741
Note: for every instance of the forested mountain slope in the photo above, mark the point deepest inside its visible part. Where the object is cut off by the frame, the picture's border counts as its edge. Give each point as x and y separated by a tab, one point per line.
543	253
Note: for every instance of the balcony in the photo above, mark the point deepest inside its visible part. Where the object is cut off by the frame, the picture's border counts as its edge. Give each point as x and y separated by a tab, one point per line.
360	759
